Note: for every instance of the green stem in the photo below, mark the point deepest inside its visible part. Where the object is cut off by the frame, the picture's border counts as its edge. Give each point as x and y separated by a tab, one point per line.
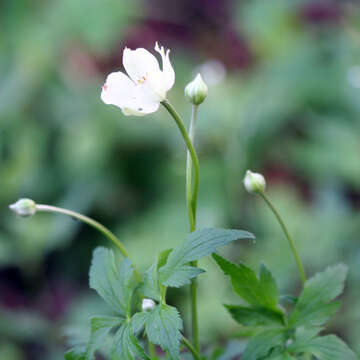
287	234
95	224
190	147
191	200
194	312
192	205
193	351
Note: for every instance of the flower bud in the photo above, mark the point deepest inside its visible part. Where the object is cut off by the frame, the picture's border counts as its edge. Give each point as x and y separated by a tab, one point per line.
196	91
24	207
147	304
254	183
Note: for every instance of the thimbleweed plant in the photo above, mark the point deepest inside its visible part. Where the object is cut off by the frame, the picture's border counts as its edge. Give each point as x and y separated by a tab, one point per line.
143	321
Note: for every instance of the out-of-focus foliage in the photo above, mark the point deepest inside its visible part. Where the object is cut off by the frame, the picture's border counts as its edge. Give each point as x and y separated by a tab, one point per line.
284	90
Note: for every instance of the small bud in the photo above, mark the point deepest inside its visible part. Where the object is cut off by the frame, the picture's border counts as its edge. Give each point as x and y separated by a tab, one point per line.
196	91
148	304
254	183
24	207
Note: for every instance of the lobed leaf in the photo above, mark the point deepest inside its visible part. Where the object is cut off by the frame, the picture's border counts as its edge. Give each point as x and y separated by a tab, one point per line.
115	284
313	307
163	325
200	243
126	346
268	285
247	285
138	321
260	345
249	316
100	328
151	287
328	347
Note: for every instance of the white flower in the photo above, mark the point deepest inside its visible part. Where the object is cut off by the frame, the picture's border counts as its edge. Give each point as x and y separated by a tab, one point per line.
254	182
141	91
147	304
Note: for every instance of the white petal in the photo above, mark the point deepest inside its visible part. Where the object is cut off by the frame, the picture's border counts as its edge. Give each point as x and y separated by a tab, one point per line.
118	89
168	71
154	86
135	112
133	99
139	63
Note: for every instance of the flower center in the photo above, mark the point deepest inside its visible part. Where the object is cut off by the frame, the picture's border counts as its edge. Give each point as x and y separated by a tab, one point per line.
142	79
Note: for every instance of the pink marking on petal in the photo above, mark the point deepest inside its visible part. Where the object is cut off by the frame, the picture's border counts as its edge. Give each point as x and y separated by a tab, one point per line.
105	87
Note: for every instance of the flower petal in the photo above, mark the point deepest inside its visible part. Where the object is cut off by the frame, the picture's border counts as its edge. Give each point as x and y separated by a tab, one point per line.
118	89
139	63
168	71
154	86
144	111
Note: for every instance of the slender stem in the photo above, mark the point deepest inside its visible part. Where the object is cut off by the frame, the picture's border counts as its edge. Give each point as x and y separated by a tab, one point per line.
287	234
189	146
190	199
191	204
194	311
163	294
193	351
95	224
192	188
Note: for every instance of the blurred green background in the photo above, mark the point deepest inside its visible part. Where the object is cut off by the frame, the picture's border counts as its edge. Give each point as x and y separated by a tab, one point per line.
284	90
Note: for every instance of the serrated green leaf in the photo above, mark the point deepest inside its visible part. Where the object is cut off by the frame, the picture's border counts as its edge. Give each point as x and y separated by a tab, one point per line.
260	345
303	335
268	284
138	321
151	287
114	283
75	354
162	257
328	347
316	315
100	328
313	307
182	276
200	243
259	316
126	346
163	326
247	285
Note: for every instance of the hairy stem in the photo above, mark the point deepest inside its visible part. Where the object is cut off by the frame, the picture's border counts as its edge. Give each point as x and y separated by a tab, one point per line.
287	234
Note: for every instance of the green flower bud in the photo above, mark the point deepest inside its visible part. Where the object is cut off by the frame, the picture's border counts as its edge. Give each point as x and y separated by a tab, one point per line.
147	304
254	183
24	207
196	91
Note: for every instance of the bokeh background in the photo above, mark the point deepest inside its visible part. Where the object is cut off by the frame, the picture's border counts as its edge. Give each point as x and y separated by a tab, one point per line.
284	100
